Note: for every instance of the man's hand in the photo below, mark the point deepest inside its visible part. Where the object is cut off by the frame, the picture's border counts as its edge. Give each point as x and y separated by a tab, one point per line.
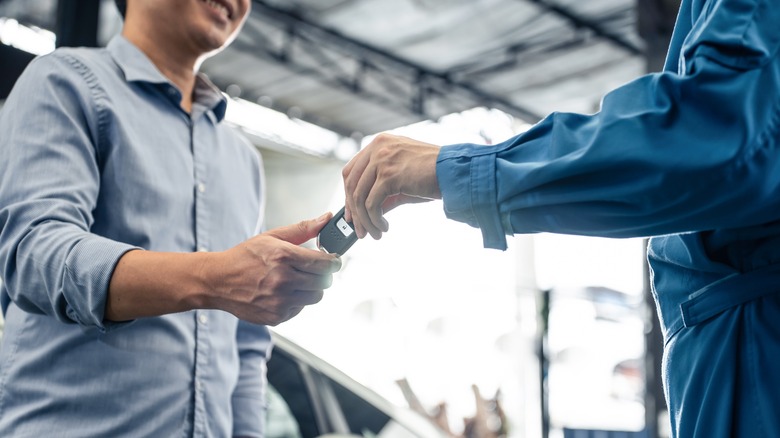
269	278
390	171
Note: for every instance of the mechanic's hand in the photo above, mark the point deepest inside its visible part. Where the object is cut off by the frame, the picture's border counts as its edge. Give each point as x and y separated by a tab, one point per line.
392	170
269	278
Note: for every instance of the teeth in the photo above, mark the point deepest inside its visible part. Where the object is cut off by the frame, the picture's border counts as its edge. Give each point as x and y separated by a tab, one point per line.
218	7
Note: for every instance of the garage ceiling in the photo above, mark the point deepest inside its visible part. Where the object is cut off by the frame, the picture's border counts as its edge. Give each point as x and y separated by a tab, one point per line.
363	66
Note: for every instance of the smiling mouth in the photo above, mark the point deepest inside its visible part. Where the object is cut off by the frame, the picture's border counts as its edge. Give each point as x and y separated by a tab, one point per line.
221	8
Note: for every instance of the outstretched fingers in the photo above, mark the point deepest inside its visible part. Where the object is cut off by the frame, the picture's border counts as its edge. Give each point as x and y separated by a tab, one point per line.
369	195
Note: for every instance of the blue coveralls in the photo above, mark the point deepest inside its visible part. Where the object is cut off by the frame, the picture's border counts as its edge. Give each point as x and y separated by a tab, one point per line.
688	155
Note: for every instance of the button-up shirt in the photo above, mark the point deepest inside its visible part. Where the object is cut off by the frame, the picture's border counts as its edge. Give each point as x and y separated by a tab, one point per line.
97	158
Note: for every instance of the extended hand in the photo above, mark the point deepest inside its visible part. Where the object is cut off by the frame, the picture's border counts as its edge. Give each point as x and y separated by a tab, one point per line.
392	170
270	278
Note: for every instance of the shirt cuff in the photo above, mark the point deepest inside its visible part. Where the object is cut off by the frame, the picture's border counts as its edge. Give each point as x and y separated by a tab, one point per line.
88	270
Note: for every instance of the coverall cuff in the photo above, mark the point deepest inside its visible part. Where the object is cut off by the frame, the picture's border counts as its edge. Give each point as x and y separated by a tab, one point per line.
467	181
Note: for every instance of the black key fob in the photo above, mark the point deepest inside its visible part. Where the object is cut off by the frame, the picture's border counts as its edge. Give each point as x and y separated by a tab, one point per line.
337	236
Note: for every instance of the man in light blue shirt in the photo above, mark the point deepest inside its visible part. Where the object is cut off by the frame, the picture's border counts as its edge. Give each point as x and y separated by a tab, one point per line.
134	294
689	155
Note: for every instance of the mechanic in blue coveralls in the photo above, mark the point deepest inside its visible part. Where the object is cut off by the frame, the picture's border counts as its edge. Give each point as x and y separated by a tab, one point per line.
135	290
689	155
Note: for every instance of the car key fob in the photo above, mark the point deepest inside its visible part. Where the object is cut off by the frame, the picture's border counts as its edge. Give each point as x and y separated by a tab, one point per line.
337	236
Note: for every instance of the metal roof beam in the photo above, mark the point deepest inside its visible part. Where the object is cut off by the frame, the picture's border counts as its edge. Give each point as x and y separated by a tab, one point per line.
584	23
424	87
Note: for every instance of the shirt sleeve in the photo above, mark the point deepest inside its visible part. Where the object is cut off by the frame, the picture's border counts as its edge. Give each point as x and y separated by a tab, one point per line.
249	397
49	183
667	153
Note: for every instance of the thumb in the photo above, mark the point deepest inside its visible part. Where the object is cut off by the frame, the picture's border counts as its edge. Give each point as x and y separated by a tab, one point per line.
302	231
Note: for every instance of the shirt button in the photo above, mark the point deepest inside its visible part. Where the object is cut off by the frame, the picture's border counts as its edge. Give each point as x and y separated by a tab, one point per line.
198	385
203	249
203	318
202	188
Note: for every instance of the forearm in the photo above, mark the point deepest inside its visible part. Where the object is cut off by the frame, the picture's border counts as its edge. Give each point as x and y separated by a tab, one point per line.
265	280
148	283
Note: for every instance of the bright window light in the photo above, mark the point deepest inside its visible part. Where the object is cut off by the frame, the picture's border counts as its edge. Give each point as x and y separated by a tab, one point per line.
272	129
429	304
30	39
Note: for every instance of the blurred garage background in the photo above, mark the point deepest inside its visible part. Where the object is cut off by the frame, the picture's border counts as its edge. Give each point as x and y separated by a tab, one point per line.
557	336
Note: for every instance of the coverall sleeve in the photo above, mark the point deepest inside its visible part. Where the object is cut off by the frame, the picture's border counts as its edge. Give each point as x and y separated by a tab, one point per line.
49	182
249	397
667	153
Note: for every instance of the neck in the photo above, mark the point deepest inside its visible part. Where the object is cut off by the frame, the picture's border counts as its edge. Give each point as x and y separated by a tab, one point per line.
176	64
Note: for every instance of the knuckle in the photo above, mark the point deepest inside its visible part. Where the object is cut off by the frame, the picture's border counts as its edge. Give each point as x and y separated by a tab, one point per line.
384	153
274	280
383	137
372	204
281	255
356	194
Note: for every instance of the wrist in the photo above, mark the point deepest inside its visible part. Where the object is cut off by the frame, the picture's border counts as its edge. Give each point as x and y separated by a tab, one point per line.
206	281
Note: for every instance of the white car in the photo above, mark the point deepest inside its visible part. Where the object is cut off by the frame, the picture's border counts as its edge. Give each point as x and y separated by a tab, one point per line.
309	398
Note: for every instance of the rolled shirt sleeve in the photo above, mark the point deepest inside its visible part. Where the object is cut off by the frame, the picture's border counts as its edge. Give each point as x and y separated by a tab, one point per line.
677	151
49	184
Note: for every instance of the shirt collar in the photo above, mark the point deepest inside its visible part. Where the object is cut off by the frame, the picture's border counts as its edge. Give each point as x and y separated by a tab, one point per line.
137	67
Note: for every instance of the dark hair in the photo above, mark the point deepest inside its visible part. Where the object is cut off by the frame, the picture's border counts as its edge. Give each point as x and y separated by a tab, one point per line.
122	6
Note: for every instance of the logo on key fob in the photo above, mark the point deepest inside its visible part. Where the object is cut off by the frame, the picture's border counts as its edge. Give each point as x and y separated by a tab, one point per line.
337	236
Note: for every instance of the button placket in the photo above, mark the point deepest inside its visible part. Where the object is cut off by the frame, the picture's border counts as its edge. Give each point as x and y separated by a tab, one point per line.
200	158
